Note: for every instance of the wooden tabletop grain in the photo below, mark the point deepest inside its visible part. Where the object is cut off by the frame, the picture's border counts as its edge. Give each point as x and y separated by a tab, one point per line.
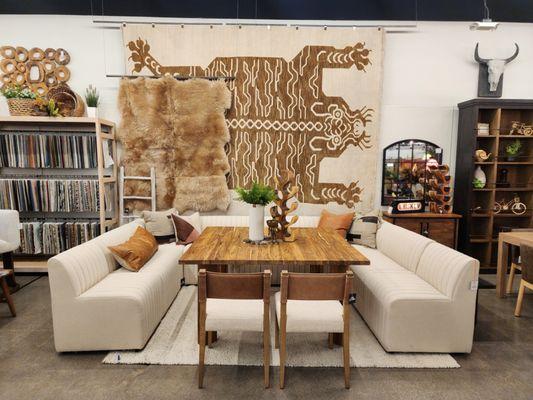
313	246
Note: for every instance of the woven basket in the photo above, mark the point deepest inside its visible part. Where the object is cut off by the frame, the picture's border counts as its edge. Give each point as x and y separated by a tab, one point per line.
21	106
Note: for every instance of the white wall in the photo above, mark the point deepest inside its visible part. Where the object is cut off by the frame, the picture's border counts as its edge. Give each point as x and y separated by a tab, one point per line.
427	70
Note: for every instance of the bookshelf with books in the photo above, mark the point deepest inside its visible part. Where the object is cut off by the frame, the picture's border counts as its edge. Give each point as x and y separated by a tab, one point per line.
61	175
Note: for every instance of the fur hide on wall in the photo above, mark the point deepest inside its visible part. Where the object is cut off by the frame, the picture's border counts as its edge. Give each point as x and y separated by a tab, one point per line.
178	127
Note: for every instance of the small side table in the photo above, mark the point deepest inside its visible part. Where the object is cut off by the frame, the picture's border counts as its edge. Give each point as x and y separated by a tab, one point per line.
5	274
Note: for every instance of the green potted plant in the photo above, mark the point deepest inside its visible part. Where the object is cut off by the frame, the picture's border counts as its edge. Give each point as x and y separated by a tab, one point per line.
48	106
258	196
21	100
92	98
513	149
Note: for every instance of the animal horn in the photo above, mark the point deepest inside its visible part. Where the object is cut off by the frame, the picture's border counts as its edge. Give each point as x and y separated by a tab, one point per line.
477	57
508	60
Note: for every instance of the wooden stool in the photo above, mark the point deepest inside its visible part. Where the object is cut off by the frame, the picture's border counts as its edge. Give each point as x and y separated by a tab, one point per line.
5	274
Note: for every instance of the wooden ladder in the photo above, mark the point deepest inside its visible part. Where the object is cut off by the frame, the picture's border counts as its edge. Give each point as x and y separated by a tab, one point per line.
125	217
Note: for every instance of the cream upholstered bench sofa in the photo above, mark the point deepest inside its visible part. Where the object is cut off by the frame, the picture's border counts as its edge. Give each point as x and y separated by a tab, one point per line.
98	306
417	295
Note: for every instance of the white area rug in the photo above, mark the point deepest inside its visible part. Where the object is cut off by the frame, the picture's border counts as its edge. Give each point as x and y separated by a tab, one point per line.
175	343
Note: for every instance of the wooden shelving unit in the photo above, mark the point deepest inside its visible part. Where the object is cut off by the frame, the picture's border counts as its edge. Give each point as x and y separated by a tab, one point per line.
480	228
103	130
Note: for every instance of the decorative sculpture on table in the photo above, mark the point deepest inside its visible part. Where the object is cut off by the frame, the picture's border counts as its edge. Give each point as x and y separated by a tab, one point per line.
482	156
279	226
515	205
438	188
520	128
490	81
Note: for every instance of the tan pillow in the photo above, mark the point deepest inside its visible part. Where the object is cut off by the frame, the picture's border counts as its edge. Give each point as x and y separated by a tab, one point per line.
136	251
158	222
340	223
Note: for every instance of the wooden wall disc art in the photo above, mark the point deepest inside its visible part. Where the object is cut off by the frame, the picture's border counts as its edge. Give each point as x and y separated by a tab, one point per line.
34	68
279	225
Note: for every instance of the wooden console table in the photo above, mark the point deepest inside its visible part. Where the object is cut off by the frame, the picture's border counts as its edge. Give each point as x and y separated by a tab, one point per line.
442	228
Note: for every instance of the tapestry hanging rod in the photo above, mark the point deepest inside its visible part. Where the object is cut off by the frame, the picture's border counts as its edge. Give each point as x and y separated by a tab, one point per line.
178	77
257	22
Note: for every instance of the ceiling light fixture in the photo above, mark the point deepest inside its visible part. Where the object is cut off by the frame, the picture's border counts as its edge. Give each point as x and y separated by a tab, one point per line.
486	24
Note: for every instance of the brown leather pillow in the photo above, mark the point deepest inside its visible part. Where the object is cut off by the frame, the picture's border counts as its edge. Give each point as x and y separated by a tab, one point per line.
136	251
340	223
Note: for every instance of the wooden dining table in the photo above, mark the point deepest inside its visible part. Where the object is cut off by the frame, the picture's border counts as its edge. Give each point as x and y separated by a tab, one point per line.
505	240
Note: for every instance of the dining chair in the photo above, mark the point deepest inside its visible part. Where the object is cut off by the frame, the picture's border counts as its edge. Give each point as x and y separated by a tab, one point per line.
516	261
310	302
526	253
233	302
9	242
4	274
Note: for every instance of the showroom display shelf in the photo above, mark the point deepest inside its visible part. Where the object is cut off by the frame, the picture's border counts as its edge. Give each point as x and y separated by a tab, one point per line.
506	178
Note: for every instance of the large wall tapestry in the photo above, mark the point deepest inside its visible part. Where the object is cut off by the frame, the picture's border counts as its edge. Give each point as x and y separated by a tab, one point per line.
179	128
304	100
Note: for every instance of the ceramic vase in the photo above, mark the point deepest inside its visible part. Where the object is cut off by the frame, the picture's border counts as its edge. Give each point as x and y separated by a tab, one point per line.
480	175
92	112
256	230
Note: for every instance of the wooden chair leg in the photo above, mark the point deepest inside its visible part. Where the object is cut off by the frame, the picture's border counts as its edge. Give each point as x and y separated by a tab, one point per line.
521	291
276	339
346	356
266	352
511	279
8	297
330	340
282	358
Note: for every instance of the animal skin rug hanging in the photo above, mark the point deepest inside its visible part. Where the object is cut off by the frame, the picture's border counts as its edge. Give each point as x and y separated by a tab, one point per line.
178	127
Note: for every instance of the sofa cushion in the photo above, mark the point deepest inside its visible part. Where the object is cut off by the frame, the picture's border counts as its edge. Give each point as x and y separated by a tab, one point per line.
234	315
311	316
338	222
114	237
401	245
307	221
447	270
391	286
136	251
158	223
224	220
145	295
379	262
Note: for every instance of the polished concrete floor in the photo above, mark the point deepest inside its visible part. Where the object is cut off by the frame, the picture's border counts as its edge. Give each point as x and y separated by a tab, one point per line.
500	366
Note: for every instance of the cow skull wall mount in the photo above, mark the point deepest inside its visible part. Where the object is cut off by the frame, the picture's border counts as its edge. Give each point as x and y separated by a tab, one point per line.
490	81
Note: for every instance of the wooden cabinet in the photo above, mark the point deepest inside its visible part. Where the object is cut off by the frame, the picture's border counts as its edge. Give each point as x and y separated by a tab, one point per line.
489	125
441	228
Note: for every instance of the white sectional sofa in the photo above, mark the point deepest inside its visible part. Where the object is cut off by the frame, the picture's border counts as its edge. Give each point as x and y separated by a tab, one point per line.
416	295
98	306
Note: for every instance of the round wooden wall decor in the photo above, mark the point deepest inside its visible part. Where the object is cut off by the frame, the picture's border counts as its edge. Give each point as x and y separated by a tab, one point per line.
21	54
37	69
8	65
7	52
62	57
32	66
36	54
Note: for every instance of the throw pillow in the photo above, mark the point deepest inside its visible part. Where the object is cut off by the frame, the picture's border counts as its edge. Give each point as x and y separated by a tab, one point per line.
187	228
158	223
363	230
136	251
340	223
